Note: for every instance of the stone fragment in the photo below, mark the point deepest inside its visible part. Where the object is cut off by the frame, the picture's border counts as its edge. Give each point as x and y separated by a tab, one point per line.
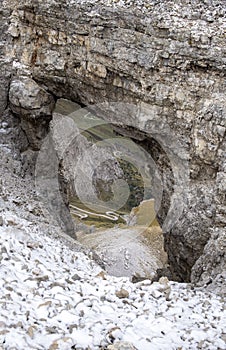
42	278
223	337
76	277
165	287
12	221
30	332
101	275
14	30
97	69
27	98
122	293
34	105
121	346
62	343
33	244
114	333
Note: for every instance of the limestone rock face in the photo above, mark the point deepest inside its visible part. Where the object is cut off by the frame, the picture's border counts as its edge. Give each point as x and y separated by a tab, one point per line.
27	98
168	55
211	264
5	63
34	106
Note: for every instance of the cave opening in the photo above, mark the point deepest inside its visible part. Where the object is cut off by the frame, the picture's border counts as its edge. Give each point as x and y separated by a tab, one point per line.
100	175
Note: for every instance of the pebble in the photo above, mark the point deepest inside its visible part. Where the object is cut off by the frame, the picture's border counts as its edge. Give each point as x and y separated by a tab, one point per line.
121	346
122	293
5	125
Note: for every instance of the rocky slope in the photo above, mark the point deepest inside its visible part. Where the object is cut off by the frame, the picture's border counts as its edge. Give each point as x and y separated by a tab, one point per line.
165	58
53	296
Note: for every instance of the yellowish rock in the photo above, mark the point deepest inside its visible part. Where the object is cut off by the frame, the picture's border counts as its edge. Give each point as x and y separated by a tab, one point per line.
122	293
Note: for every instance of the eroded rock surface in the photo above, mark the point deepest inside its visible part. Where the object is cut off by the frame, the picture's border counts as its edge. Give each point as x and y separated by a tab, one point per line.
34	106
169	55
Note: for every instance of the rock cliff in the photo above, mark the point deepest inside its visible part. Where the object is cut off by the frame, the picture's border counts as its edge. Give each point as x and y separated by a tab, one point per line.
167	57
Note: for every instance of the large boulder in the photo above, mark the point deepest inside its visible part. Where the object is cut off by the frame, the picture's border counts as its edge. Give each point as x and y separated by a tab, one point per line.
34	106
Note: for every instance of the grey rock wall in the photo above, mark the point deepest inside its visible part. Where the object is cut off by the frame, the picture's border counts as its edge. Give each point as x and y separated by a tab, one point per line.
5	62
170	55
34	106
